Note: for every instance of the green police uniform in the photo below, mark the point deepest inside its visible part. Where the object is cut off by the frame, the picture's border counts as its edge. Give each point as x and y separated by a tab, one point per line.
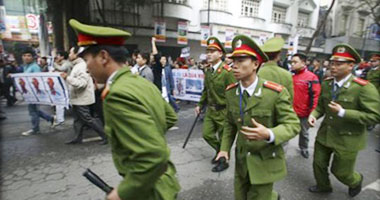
271	71
136	120
258	163
373	75
343	136
215	83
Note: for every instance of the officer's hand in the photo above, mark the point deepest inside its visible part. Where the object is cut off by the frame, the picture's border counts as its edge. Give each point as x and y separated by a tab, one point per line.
64	75
335	107
312	120
260	132
222	154
197	110
113	195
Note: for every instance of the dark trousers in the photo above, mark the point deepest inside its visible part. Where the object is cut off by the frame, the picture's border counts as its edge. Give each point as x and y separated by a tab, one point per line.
303	141
82	117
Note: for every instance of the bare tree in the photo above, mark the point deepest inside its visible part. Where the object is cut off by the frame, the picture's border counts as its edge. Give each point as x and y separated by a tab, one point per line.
319	28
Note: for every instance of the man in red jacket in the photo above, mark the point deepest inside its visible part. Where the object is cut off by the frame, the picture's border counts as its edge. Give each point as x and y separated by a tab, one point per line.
306	92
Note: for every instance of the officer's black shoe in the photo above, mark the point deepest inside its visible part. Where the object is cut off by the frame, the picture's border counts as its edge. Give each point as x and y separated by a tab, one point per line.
279	197
356	190
305	153
213	161
221	166
315	189
76	141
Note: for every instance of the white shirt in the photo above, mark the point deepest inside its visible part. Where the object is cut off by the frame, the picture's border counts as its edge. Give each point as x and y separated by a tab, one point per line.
340	83
215	67
135	69
109	80
250	89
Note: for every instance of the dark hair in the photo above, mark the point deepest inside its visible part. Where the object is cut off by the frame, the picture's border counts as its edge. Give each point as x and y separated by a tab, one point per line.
76	49
117	53
136	52
302	57
145	56
317	60
44	58
29	50
272	55
64	54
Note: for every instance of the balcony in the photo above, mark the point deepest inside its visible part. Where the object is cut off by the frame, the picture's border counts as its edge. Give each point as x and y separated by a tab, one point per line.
251	22
306	32
178	9
216	17
282	28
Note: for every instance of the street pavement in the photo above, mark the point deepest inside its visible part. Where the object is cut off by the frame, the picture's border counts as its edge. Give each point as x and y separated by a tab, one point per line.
42	167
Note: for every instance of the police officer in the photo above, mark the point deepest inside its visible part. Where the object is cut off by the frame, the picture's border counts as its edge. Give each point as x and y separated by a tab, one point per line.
270	69
373	75
136	117
260	114
348	105
217	77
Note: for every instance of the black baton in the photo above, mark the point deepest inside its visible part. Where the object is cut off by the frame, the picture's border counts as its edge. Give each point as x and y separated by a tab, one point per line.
192	127
96	180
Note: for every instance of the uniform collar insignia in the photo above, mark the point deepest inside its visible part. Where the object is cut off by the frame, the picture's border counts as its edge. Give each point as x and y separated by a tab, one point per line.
258	93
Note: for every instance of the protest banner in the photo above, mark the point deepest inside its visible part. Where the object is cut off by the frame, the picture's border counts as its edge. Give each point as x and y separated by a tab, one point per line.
188	84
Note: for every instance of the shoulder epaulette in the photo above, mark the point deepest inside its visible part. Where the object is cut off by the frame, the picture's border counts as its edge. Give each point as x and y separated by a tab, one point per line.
232	85
228	68
273	86
360	81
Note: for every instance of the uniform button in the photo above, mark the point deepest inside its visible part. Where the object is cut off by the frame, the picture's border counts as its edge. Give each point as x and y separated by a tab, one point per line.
330	117
349	133
249	153
345	99
274	154
239	120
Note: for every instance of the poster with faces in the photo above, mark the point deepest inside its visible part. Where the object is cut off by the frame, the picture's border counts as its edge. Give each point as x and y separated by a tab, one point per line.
22	85
55	89
39	90
42	88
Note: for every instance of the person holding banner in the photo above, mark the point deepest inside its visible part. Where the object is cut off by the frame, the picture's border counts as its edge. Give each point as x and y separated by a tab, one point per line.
34	109
260	114
82	96
218	76
136	118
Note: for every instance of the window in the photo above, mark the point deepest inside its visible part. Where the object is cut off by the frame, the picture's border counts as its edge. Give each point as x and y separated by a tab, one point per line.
343	24
178	1
250	8
278	14
215	4
303	19
360	27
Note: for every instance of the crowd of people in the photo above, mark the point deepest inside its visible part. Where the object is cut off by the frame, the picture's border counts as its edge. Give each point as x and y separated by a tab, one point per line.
250	95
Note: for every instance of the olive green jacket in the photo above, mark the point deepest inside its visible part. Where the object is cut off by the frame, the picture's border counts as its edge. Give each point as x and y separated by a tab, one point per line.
361	102
215	84
373	76
272	72
136	120
263	161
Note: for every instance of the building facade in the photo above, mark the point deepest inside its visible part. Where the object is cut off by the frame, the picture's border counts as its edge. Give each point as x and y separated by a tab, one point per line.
351	23
258	18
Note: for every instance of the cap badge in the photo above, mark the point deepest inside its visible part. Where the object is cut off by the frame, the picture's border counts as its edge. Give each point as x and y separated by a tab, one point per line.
341	50
238	43
212	41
